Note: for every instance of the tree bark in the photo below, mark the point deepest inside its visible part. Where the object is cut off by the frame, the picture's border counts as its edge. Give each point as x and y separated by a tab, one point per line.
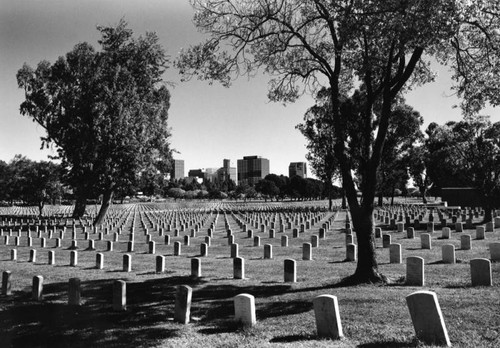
367	267
80	204
106	203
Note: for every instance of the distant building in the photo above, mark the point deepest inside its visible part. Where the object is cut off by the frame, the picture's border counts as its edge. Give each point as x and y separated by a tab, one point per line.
196	173
297	168
251	169
177	171
205	174
226	172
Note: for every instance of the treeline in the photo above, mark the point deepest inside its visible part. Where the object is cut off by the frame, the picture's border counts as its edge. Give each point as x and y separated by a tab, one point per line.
27	182
272	187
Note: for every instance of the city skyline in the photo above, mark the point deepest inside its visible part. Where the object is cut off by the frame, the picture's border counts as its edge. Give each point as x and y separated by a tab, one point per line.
208	122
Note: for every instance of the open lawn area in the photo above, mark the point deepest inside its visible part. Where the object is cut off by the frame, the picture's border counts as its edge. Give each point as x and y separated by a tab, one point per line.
371	315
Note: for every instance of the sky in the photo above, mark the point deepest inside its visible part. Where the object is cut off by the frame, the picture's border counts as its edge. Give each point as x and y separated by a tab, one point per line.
208	122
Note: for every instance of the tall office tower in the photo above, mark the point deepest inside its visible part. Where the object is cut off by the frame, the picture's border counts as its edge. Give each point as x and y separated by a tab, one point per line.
227	172
177	171
251	169
297	168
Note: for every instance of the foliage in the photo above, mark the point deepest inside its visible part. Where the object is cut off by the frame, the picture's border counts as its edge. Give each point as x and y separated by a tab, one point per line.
386	45
106	111
470	152
267	188
176	192
34	183
402	134
418	168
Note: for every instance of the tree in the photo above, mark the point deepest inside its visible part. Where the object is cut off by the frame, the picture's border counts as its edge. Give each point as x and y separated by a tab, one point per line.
42	184
418	169
106	111
267	188
402	134
471	152
319	133
176	192
281	183
307	45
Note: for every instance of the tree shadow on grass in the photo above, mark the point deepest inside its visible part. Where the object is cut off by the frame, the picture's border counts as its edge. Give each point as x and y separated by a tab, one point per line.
54	323
292	338
389	344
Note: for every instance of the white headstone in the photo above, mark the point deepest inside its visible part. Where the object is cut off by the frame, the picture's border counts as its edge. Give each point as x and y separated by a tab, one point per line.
183	304
495	251
244	309
425	240
119	295
480	271
415	272
37	290
448	252
326	311
395	255
427	318
239	268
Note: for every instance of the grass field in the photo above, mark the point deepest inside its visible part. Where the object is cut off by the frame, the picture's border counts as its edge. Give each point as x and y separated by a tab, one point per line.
372	315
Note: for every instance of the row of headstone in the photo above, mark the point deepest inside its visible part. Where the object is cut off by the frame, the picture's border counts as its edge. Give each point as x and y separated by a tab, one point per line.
423	306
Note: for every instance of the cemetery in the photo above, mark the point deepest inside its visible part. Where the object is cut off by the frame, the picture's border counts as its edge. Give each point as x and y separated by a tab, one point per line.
221	274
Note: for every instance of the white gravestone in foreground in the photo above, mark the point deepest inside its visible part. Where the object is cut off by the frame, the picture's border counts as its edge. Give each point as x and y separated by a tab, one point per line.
244	309
427	318
326	311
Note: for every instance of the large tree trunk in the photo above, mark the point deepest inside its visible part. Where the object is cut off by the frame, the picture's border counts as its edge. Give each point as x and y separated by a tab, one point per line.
106	203
80	204
367	267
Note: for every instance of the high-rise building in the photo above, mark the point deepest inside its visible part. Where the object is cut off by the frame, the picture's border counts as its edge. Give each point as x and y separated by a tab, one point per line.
177	171
297	168
251	169
226	172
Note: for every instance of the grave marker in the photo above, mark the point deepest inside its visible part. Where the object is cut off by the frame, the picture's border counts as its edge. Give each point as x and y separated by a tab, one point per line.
495	251
195	267
395	253
326	312
239	268
448	253
307	251
160	264
127	263
290	271
480	271
74	291
99	261
415	274
427	318
6	283
183	304
119	295
244	309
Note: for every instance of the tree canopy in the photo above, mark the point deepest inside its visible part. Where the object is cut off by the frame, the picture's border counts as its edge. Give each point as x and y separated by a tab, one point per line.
469	152
306	45
106	111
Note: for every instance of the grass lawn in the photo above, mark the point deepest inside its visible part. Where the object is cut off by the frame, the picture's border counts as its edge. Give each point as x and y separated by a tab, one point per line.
371	315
